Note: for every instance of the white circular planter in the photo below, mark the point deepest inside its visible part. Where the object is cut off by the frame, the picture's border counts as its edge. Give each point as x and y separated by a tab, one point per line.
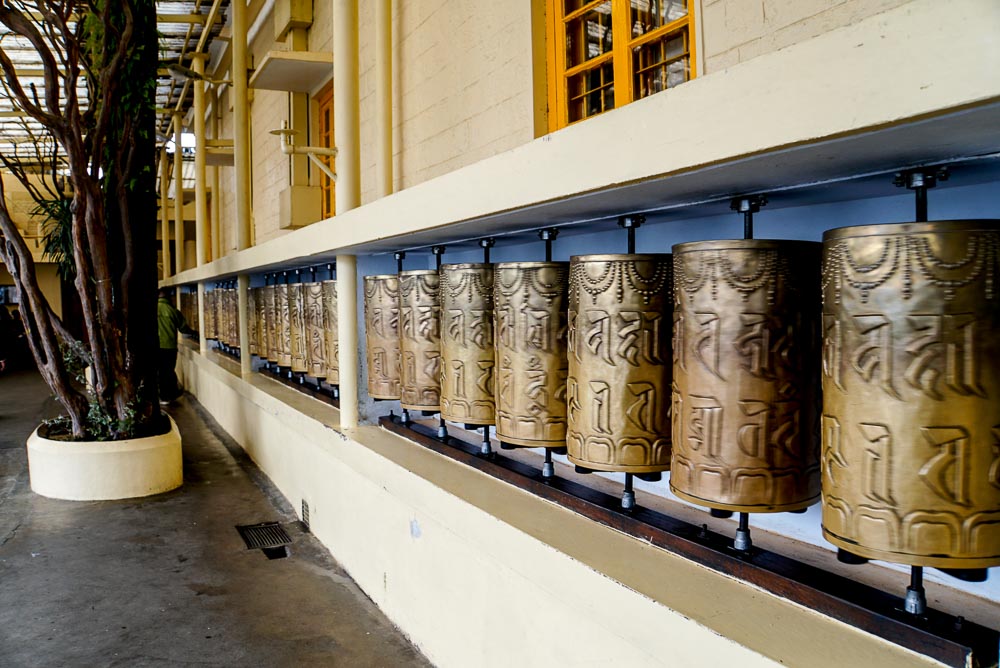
105	470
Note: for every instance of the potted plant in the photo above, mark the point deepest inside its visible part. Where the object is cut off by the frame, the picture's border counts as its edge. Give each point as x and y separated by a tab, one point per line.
86	149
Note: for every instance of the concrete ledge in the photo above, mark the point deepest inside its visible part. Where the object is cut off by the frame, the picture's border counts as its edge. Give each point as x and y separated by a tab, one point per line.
103	471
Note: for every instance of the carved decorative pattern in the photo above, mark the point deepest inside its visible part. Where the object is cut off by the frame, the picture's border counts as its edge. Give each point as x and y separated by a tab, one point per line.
258	323
283	325
297	326
618	343
746	379
530	301
420	340
315	341
270	323
332	346
467	354
382	335
911	392
252	329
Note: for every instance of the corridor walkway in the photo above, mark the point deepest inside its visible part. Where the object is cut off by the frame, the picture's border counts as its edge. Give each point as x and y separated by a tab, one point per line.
167	580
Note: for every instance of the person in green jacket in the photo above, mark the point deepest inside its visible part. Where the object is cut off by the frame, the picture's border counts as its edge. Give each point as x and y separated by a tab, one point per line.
170	321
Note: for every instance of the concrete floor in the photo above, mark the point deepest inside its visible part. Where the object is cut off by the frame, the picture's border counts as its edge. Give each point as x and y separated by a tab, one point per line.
167	580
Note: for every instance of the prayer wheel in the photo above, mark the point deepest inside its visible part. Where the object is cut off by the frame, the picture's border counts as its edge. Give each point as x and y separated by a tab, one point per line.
259	323
382	335
234	319
618	342
315	336
530	300
467	354
270	318
332	346
283	325
746	399
220	312
297	327
209	324
420	340
252	330
911	392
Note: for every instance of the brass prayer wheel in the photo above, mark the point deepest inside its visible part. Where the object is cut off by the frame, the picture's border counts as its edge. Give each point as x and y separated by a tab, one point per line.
382	335
297	327
530	301
911	392
220	312
252	325
270	320
315	336
420	340
283	325
260	320
209	324
467	355
618	342
332	346
746	399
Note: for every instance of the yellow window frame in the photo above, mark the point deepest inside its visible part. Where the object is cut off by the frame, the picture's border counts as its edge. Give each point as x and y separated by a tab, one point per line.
621	54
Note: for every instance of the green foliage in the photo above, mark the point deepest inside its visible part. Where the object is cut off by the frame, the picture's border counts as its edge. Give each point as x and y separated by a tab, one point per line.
57	234
99	424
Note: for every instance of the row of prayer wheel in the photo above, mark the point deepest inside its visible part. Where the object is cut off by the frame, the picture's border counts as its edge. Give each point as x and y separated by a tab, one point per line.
294	326
709	363
221	321
189	309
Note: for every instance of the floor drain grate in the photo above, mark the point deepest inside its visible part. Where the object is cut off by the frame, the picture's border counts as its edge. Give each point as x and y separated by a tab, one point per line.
264	536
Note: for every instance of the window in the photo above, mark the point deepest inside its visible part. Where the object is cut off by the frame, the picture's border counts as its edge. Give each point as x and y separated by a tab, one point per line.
324	106
591	72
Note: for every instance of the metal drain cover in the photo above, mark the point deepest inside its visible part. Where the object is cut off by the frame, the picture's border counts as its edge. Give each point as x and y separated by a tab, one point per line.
263	536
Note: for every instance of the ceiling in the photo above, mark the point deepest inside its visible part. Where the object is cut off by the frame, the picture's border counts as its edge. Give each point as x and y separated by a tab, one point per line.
185	27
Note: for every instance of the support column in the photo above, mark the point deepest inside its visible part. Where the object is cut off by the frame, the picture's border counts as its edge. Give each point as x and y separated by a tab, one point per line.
383	97
243	301
178	195
345	104
241	134
201	153
164	211
347	338
298	115
214	175
348	190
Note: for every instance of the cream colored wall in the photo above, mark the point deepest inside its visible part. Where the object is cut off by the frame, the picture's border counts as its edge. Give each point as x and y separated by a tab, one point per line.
462	92
48	281
735	31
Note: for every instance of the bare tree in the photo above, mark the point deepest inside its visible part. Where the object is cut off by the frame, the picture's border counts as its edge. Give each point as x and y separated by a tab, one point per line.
104	140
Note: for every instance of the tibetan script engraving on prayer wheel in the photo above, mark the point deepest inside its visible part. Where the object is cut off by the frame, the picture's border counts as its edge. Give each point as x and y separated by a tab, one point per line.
270	319
232	318
252	330
618	388
467	354
382	335
209	324
746	374
259	322
283	325
420	340
297	329
911	392
332	346
530	302
315	335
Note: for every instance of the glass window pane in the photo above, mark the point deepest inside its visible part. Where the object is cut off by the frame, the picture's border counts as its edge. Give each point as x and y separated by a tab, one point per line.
589	35
649	15
660	65
591	92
